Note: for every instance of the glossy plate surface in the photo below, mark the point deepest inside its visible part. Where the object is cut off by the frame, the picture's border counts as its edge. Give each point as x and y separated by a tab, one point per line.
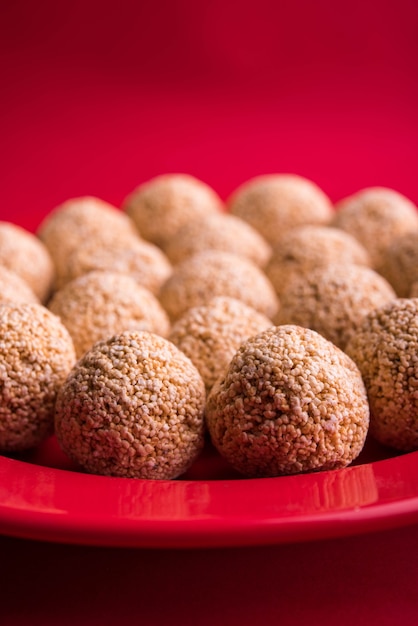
43	497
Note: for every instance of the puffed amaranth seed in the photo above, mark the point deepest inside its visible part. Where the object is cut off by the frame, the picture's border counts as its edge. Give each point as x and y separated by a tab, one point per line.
333	300
376	216
162	205
98	305
289	402
399	264
210	335
218	231
132	256
36	355
275	203
303	248
385	349
132	407
212	273
80	221
22	253
15	289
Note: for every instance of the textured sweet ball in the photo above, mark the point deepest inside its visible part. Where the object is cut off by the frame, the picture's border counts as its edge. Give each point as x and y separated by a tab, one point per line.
275	203
333	300
36	354
305	247
399	264
218	231
22	253
376	216
132	407
212	273
385	349
210	335
15	289
132	256
162	205
98	305
78	221
289	402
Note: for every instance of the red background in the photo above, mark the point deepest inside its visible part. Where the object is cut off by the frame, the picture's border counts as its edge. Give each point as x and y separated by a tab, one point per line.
97	97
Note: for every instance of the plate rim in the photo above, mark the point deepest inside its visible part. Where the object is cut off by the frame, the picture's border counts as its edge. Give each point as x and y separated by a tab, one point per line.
46	524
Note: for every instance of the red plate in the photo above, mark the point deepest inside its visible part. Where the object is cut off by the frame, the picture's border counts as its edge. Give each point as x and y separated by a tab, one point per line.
210	506
71	131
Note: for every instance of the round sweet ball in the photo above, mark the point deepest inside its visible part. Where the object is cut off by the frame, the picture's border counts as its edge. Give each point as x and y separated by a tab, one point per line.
36	355
333	300
306	247
218	231
211	273
376	216
138	258
98	305
162	205
385	349
132	407
79	220
22	253
15	289
289	402
210	335
399	264
274	203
